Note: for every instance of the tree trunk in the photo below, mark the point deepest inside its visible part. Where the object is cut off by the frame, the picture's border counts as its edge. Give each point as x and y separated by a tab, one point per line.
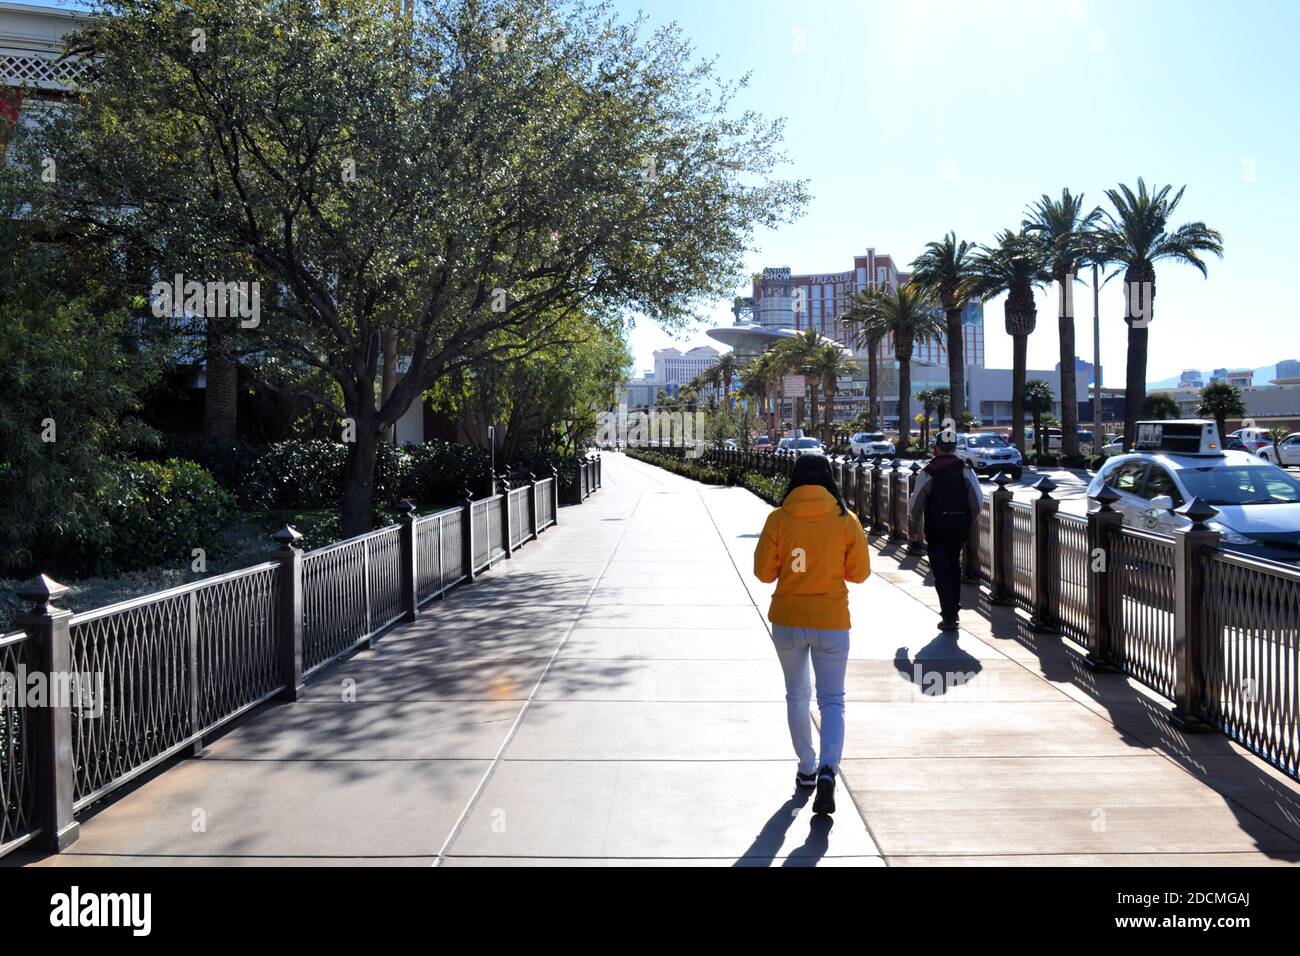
904	400
828	415
1019	347
1135	384
956	363
359	477
1069	380
388	378
872	386
221	395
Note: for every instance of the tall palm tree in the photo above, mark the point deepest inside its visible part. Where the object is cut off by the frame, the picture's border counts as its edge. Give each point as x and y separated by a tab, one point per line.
831	364
1066	231
1038	401
868	329
940	272
1014	265
1136	234
909	318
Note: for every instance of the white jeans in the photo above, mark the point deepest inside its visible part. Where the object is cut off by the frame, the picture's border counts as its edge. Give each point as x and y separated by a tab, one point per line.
829	653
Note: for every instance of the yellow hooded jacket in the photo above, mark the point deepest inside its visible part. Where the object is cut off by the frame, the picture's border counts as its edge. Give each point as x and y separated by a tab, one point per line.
809	549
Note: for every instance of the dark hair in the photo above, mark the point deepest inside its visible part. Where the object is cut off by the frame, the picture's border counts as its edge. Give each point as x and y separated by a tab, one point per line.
944	447
814	470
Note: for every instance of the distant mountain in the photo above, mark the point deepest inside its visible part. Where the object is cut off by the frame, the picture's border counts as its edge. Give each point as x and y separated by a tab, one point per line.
1262	377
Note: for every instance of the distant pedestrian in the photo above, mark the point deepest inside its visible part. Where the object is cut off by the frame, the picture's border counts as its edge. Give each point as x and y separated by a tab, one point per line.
948	495
811	546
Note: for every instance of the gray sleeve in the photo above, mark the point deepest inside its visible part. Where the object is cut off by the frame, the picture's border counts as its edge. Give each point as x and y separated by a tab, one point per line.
973	490
922	491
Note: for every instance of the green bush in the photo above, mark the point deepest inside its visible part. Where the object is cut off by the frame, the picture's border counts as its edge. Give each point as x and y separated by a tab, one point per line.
687	467
770	490
146	513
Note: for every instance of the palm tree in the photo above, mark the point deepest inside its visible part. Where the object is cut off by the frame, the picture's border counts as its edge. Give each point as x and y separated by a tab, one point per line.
941	272
1066	232
1161	405
801	354
868	330
757	381
719	376
926	397
942	398
1014	265
831	364
909	318
1039	399
1136	234
1219	401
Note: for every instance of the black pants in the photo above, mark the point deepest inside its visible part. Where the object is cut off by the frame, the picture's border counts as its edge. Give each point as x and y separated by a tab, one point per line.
945	565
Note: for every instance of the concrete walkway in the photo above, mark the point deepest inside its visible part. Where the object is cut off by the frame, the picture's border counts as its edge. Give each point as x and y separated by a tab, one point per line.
610	696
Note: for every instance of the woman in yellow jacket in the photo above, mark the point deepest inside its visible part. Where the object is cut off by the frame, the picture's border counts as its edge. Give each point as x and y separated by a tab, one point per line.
810	546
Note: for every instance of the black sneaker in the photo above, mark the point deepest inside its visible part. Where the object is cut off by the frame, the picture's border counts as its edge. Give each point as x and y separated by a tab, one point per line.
825	800
805	781
948	624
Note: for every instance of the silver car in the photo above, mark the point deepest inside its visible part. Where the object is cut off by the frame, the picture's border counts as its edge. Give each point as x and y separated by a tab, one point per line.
989	454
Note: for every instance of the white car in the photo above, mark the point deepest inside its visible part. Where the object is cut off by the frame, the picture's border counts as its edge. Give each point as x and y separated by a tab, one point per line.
871	444
1254	439
1258	503
988	454
807	446
1286	453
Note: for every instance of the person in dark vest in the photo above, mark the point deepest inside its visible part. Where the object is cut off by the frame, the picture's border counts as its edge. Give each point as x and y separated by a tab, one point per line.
948	494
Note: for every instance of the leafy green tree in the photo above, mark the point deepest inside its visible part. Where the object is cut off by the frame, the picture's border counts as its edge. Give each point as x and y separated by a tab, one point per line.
1221	401
830	364
1136	235
71	372
941	271
1065	228
465	179
1161	405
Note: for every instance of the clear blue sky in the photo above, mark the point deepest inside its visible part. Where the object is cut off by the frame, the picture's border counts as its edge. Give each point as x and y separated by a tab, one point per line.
911	118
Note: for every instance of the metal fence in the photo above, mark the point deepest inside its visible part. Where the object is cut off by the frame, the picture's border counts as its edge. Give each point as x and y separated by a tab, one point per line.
150	677
1216	632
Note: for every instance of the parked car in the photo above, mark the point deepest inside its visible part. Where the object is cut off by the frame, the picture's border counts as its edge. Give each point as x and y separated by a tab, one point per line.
1286	453
989	454
1051	440
1254	438
763	443
807	446
1258	502
871	443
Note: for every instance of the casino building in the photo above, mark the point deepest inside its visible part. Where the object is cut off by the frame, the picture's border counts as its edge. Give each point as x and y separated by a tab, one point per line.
782	304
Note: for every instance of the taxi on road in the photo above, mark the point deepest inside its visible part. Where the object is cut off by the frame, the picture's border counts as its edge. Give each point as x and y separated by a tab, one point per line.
1175	461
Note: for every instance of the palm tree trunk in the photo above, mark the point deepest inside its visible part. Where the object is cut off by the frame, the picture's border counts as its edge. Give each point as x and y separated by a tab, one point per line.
904	399
1069	380
956	363
872	386
1135	384
1019	348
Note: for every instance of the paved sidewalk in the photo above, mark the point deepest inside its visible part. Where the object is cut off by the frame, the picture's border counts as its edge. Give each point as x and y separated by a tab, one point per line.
610	696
